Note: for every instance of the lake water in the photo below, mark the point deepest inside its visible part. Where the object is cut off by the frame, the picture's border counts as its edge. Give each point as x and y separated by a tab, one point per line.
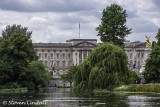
59	97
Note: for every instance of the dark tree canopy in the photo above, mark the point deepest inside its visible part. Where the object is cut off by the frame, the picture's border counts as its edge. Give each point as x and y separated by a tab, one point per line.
105	68
152	67
17	45
69	75
158	37
36	75
15	29
16	53
113	25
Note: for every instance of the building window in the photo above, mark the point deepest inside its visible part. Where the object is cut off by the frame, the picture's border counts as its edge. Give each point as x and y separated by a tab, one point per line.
51	55
63	56
80	61
69	63
39	55
131	63
60	51
138	55
42	50
57	63
69	55
139	64
45	56
63	63
57	55
131	56
48	50
142	55
66	50
80	55
84	55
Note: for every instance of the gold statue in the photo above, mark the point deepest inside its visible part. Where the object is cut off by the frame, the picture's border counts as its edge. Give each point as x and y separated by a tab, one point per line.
148	44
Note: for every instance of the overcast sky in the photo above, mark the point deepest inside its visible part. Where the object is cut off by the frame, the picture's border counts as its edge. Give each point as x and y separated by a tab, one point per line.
58	20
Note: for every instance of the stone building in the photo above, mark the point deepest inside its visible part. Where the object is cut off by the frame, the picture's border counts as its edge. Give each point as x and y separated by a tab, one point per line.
58	57
137	54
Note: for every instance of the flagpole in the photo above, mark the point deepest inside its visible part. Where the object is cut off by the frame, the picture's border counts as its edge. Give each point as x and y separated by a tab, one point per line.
79	30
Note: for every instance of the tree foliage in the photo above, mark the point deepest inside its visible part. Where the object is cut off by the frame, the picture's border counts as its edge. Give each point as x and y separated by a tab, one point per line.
158	37
6	72
152	68
113	25
69	75
17	49
16	54
15	30
36	75
105	68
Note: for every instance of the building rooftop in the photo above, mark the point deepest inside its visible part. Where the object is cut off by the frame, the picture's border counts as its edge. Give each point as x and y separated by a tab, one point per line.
81	40
52	44
136	44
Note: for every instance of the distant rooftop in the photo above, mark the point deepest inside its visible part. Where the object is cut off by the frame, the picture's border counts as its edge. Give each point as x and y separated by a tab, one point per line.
52	44
81	40
136	44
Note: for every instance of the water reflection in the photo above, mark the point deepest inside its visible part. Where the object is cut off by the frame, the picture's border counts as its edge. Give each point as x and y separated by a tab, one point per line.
60	97
143	100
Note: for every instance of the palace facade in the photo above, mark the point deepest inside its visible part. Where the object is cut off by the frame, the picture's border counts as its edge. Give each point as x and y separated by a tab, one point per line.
58	57
137	53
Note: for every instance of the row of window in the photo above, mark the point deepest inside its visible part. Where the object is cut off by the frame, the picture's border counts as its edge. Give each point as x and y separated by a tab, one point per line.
58	63
137	55
61	51
54	51
134	64
51	55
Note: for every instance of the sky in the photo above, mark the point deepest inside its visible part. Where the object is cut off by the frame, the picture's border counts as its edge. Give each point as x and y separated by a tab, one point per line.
58	20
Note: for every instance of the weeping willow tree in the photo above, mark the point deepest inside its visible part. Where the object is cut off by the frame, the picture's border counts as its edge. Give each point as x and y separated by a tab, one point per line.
105	68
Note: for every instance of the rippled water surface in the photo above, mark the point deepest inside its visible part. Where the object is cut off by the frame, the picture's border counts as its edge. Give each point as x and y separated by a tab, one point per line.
59	97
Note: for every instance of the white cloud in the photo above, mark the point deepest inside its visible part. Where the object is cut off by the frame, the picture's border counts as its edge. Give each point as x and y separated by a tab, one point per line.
57	21
156	21
38	20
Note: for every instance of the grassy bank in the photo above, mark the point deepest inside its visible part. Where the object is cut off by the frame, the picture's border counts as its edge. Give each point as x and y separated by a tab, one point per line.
14	90
133	88
140	88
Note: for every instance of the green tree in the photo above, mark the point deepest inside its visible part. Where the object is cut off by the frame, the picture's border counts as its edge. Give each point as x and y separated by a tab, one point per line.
36	75
133	77
105	68
153	43
158	37
15	29
6	72
17	49
69	75
152	68
113	25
